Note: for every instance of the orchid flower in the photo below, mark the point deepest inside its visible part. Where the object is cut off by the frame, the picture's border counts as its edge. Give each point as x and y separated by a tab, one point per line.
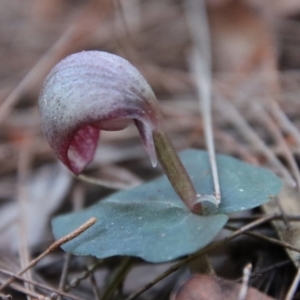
92	91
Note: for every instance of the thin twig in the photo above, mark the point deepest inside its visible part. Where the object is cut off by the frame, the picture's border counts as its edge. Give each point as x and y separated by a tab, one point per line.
40	285
76	281
293	288
266	270
77	203
23	168
118	277
64	45
245	282
263	116
268	239
94	287
231	145
201	67
54	246
233	116
24	291
64	274
294	218
284	121
203	251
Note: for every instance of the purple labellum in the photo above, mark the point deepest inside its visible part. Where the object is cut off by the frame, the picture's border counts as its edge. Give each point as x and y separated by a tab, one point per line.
92	91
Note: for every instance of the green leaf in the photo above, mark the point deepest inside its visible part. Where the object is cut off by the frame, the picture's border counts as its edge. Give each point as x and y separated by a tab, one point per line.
156	232
243	186
152	223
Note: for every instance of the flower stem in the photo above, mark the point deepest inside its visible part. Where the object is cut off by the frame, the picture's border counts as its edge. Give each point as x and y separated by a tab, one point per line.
175	171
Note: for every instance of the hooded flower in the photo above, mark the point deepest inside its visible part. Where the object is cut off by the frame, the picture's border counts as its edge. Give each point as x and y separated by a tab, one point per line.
92	91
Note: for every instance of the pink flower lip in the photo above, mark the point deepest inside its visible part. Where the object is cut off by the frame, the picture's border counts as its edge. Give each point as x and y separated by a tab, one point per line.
92	91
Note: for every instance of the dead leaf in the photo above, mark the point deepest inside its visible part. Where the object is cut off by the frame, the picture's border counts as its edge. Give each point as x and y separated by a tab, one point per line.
46	189
203	287
289	201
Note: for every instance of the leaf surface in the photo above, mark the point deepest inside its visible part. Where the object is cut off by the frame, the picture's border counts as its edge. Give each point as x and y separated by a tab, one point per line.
243	186
152	223
155	232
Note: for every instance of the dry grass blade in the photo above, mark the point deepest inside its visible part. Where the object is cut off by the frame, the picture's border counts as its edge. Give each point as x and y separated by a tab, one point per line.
245	282
284	121
76	281
268	239
233	116
201	67
64	274
118	278
23	169
54	246
24	291
293	288
94	287
75	36
261	115
78	202
40	285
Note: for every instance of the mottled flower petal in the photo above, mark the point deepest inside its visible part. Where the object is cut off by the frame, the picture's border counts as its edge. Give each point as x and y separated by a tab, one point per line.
81	149
92	91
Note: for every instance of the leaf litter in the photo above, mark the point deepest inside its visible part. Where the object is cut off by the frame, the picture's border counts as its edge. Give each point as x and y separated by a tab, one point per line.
159	44
46	189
